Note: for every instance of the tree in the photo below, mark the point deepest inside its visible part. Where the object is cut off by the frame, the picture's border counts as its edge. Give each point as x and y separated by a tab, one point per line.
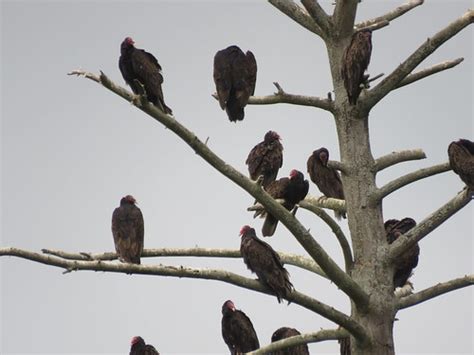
357	165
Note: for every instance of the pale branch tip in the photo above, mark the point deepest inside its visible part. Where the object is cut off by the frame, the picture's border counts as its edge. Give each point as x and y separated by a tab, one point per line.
398	157
429	71
375	26
391	15
314	249
325	202
282	97
404	180
393	80
321	335
435	291
430	223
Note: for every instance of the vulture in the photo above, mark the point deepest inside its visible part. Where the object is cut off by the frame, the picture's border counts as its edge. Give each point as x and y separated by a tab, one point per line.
461	159
261	259
140	70
326	179
266	158
285	332
140	348
345	346
128	230
292	190
408	261
237	330
235	75
355	61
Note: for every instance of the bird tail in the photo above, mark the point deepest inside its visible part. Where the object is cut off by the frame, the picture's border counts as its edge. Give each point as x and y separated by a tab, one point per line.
269	226
234	111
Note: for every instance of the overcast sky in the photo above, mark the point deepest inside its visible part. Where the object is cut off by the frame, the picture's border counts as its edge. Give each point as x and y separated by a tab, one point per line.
71	149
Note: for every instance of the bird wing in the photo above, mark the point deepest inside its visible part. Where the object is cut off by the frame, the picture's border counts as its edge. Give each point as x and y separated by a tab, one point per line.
223	76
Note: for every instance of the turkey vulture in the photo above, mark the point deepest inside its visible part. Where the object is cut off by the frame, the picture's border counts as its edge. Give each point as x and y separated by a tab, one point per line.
141	68
355	61
266	158
261	259
237	330
285	332
140	348
292	190
235	74
128	230
326	179
461	159
408	261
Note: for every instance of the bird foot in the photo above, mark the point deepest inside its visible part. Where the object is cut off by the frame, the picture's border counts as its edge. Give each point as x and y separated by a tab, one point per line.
136	100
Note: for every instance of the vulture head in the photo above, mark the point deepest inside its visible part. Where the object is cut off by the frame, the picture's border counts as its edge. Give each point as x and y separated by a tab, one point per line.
271	136
128	200
228	306
365	34
127	44
323	155
137	340
243	231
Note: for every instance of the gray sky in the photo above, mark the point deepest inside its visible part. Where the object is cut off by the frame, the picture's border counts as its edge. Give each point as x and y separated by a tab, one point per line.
71	150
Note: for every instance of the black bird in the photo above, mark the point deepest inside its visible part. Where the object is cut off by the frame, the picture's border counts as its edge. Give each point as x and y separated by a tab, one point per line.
286	332
138	347
461	159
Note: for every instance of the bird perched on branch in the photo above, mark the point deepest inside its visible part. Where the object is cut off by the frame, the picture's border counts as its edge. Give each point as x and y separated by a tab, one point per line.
286	332
326	179
141	70
235	75
266	158
128	230
292	190
237	330
461	159
140	348
355	61
261	259
405	264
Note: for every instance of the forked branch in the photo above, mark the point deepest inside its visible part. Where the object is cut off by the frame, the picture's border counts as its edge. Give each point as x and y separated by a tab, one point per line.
391	15
322	335
435	291
344	17
314	249
430	223
393	80
398	157
319	15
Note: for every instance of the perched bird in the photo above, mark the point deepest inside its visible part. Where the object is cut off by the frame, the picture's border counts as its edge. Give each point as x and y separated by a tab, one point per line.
408	261
355	61
345	346
266	158
140	68
461	159
235	75
292	190
261	259
237	330
140	348
326	179
128	230
285	332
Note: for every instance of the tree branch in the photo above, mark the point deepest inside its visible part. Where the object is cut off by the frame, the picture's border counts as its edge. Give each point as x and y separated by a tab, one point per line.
391	15
435	291
296	13
429	71
286	258
409	178
398	157
281	97
314	249
393	80
430	223
336	229
344	17
182	271
325	202
319	15
322	335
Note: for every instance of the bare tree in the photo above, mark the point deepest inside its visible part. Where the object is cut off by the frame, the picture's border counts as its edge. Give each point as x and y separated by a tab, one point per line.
367	276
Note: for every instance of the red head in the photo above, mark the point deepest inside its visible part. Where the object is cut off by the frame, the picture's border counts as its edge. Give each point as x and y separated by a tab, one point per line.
228	306
126	45
243	231
129	41
271	136
129	199
136	340
294	173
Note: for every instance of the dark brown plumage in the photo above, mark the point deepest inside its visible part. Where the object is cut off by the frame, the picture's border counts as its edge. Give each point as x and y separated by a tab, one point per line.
128	230
235	75
345	346
326	179
355	61
283	333
140	67
266	158
461	159
408	261
261	259
292	190
138	347
237	330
